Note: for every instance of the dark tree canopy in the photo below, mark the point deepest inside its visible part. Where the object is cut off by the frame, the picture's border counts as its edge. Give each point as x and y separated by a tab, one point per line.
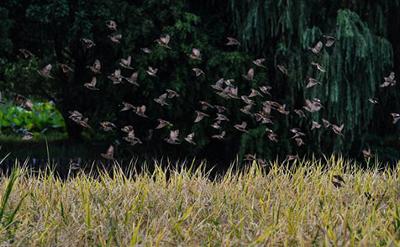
366	50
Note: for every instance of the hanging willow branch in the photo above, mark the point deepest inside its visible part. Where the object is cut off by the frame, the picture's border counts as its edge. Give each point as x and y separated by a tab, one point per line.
284	30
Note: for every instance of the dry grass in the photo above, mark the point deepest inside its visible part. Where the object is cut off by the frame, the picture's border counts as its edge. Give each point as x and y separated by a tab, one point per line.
292	207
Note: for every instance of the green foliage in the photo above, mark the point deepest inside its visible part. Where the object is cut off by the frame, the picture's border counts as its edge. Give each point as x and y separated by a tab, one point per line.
43	116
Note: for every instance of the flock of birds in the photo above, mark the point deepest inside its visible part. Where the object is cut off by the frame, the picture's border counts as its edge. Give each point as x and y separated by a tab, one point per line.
224	88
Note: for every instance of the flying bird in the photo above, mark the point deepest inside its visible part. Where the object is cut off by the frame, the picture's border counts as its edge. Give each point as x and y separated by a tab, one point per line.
162	99
133	78
259	62
112	25
199	116
126	63
173	137
232	42
96	67
317	48
189	138
330	40
152	71
250	75
195	55
319	67
198	72
241	127
164	41
45	71
163	123
92	84
115	38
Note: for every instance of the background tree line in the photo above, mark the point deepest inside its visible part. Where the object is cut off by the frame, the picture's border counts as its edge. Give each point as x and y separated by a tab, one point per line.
367	48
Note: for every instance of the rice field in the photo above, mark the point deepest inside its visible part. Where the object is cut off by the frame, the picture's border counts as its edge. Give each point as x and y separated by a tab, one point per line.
302	204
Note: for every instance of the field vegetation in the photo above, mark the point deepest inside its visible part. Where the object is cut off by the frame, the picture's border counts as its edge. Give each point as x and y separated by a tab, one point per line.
300	203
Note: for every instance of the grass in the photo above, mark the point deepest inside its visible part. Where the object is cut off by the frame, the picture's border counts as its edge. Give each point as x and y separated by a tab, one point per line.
167	207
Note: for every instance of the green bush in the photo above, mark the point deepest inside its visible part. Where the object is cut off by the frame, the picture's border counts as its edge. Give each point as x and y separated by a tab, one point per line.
42	117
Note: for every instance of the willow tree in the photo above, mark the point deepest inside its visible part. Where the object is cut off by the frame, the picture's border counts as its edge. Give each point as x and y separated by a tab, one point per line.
283	31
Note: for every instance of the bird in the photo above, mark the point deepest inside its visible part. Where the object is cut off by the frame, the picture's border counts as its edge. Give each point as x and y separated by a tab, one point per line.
116	77
107	126
326	123
297	133
171	93
162	99
173	137
250	75
259	62
115	38
313	105
315	125
112	25
396	117
254	93
221	117
319	67
126	63
282	109
232	42
162	124
196	54
96	67
87	43
246	109
131	138
27	136
338	178
338	129
299	141
221	109
218	84
133	78
367	153
265	89
282	69
373	101
205	105
330	40
200	116
300	113
216	125
152	71
45	71
26	53
241	127
198	72
247	100
189	138
127	106
272	136
146	50
109	154
65	68
92	84
389	80
317	47
127	128
312	82
219	136
291	157
164	41
140	111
